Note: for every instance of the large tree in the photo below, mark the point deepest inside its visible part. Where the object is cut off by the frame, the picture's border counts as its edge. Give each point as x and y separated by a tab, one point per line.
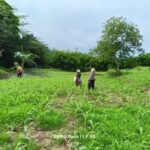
120	39
9	32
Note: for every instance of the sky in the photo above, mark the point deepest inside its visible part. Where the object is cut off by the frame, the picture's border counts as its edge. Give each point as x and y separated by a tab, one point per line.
78	24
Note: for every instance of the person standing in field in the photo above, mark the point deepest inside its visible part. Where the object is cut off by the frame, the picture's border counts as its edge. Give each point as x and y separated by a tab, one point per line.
19	71
77	78
92	78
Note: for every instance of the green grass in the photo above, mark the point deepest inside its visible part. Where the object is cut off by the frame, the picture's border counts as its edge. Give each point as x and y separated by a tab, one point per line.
24	142
113	128
50	120
115	116
5	139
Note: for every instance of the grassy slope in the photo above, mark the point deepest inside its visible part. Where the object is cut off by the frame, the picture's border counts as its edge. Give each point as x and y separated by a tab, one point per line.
114	116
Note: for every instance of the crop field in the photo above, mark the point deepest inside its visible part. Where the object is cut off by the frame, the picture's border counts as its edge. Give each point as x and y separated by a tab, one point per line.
44	110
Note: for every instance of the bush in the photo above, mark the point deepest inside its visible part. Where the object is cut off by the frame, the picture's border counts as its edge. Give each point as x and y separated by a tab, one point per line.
115	73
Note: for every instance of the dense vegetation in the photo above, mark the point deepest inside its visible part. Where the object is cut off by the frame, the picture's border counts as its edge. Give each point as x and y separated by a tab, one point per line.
36	110
66	60
73	60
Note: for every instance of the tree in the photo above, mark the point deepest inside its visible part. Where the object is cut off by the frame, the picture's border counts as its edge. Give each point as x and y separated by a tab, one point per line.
27	58
9	32
119	40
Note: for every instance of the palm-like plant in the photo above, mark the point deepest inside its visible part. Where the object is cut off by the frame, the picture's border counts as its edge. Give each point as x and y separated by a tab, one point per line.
25	58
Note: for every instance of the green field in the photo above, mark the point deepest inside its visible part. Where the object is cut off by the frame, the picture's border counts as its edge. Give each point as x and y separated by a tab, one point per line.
45	110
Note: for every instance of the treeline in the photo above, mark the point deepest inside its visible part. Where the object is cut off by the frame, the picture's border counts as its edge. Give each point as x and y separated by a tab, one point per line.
71	61
141	60
13	39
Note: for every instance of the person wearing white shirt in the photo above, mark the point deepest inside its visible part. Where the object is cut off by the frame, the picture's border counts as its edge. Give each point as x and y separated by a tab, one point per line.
92	78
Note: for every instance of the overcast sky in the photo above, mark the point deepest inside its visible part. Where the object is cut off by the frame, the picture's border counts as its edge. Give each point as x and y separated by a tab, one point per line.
72	24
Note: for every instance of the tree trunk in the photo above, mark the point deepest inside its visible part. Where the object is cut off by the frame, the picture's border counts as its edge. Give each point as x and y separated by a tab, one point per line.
117	67
22	64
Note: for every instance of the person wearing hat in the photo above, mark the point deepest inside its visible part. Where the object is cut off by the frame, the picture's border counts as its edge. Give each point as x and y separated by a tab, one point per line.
77	78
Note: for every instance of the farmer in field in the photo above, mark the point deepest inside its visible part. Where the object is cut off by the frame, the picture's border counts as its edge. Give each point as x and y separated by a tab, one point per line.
77	78
91	81
19	71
